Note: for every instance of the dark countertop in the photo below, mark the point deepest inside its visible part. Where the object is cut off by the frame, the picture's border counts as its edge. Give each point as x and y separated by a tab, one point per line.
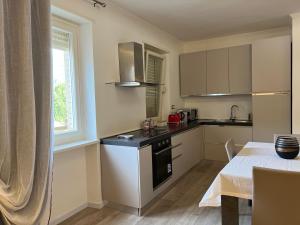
142	138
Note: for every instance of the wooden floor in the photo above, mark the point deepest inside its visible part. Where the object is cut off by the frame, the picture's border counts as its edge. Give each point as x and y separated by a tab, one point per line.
179	206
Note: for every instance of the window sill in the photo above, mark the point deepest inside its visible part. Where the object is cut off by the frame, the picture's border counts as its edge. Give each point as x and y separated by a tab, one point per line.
74	145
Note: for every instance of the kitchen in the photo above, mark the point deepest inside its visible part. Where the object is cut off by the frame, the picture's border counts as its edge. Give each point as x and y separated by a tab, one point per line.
209	135
118	192
163	113
187	139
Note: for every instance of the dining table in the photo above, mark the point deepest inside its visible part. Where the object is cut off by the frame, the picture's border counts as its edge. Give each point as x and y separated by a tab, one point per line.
235	181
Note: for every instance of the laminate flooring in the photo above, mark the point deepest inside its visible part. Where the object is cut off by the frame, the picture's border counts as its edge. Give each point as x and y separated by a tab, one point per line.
179	206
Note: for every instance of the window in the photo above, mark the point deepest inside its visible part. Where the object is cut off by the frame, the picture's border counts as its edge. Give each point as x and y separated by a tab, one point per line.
67	116
64	87
154	74
74	109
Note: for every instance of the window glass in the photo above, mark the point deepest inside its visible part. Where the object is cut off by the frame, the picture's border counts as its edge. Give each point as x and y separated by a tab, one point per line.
64	105
154	75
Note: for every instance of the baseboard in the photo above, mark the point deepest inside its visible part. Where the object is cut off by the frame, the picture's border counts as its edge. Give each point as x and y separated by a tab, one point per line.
59	219
96	205
67	215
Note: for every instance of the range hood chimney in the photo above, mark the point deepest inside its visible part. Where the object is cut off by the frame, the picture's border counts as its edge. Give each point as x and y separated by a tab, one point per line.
131	66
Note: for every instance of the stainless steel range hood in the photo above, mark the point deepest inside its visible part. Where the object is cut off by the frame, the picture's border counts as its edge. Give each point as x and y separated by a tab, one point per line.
131	66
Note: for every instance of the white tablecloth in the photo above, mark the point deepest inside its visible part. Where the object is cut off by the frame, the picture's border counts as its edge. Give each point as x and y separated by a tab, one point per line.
235	179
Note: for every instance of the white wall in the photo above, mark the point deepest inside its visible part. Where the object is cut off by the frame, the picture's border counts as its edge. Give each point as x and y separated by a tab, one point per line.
219	107
69	183
234	40
296	73
76	172
122	109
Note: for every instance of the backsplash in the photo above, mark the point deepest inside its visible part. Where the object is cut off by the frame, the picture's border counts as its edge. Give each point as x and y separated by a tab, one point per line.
219	107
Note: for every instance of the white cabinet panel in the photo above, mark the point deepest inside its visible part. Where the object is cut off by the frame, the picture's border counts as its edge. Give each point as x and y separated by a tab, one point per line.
216	137
191	148
193	73
271	65
215	152
217	71
271	115
240	78
178	166
120	175
145	175
220	134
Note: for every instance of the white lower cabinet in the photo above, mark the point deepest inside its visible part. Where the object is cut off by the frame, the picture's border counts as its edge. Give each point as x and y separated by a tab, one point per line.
145	176
120	175
187	151
127	171
215	138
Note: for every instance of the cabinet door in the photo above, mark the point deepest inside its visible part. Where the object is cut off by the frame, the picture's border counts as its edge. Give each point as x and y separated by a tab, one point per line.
145	175
193	147
215	152
216	137
179	154
240	69
120	175
178	163
220	134
271	118
217	71
271	65
193	74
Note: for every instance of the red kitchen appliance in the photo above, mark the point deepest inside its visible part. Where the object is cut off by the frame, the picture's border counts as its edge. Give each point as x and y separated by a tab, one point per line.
174	118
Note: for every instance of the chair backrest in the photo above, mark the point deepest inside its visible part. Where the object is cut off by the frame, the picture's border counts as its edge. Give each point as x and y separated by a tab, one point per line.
230	149
276	197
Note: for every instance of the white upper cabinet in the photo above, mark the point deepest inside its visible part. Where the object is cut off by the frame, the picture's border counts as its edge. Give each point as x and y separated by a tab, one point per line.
240	69
193	74
217	71
271	65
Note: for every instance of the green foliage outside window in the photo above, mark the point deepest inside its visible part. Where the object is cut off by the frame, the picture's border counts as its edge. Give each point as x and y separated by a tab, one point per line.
60	104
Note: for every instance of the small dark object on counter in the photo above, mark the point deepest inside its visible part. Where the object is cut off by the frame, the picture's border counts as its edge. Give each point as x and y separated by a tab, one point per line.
125	136
287	147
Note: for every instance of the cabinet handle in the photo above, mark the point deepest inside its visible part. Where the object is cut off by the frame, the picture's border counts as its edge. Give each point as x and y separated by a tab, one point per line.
215	143
222	143
168	148
176	146
164	150
176	157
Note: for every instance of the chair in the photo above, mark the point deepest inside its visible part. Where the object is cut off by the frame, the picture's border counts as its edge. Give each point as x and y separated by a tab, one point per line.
276	197
231	149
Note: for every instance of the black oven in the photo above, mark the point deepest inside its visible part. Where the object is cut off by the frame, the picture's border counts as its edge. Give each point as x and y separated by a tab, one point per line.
161	160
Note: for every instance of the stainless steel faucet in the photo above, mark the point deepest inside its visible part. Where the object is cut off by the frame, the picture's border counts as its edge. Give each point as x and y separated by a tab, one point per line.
233	112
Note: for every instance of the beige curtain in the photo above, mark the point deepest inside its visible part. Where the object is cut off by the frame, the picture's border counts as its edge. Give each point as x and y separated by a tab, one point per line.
25	112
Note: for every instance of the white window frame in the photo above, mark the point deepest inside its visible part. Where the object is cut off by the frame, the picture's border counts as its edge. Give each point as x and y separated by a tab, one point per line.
162	80
66	137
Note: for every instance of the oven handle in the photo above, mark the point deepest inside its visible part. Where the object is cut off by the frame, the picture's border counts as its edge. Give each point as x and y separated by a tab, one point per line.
167	149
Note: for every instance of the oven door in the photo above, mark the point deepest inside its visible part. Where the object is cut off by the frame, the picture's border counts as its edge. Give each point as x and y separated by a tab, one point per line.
162	165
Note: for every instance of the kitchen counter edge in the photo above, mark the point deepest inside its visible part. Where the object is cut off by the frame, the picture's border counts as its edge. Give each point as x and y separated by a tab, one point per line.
172	130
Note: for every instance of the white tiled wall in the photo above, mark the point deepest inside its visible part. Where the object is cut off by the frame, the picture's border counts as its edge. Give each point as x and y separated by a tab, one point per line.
219	107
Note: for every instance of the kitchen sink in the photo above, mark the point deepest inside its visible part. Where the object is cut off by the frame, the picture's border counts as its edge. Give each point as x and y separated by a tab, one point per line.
226	122
232	121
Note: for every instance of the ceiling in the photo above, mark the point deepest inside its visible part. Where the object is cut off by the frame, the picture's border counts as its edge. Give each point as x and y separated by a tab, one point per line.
198	19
